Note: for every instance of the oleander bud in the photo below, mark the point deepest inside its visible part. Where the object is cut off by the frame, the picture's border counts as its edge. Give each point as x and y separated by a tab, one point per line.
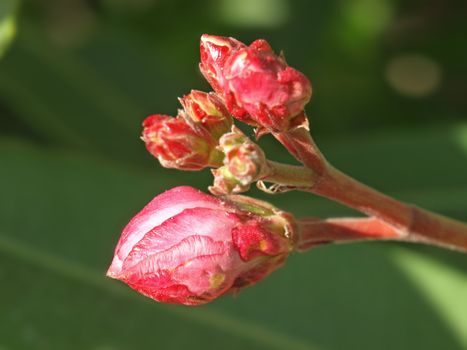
214	50
177	144
225	183
187	247
259	88
208	110
244	163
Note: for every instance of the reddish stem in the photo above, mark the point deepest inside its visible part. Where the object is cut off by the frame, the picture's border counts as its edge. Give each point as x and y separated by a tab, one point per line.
329	182
314	232
300	144
416	223
342	188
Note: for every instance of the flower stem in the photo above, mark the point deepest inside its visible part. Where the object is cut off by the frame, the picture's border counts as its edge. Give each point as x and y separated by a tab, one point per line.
289	175
414	223
335	185
313	232
300	144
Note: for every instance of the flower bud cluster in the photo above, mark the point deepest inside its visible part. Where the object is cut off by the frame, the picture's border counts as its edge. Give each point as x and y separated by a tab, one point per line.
189	141
251	83
188	247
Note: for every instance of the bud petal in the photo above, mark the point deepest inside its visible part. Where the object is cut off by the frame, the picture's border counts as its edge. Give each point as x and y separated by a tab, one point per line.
214	51
189	248
176	144
208	110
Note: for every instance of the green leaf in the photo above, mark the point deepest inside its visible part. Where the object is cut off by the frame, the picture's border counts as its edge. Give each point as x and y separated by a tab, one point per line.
65	266
444	287
101	314
56	239
64	202
67	102
7	23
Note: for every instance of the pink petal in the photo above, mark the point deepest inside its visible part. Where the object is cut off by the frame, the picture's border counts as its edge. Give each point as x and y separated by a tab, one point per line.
161	208
216	224
200	275
178	254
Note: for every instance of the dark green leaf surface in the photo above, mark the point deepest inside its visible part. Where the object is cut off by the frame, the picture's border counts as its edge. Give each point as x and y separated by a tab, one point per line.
73	172
7	23
59	228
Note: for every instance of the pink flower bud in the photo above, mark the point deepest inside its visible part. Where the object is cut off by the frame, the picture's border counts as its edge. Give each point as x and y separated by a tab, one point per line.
187	247
208	110
176	144
259	87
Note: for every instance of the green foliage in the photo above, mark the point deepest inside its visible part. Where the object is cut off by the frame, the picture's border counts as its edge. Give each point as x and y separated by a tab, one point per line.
73	171
7	23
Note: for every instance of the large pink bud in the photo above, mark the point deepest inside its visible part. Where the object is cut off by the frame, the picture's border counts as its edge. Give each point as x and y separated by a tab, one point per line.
259	87
187	247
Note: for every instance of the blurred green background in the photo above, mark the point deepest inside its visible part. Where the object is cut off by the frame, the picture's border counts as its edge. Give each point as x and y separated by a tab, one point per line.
76	81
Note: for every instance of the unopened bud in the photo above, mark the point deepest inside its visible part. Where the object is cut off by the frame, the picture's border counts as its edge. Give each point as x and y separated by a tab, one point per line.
224	182
259	87
244	163
214	51
176	144
208	110
187	247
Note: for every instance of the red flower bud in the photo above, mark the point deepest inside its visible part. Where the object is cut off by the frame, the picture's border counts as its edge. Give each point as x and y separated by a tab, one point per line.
208	110
179	145
187	247
214	51
259	87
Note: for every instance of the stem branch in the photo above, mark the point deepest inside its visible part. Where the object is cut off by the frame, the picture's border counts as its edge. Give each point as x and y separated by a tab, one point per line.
321	178
313	232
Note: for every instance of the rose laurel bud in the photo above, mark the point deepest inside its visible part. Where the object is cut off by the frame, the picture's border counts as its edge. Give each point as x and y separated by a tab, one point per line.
187	247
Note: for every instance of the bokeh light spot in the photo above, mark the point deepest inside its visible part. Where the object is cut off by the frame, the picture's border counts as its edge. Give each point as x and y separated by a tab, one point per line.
413	75
7	23
369	16
460	137
253	13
